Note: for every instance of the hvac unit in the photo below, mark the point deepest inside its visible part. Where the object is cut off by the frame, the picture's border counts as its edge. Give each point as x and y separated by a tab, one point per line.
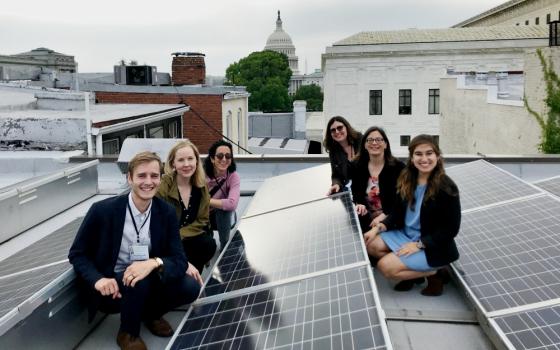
140	75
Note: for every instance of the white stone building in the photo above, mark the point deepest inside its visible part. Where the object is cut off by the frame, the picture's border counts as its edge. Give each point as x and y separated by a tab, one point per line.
392	78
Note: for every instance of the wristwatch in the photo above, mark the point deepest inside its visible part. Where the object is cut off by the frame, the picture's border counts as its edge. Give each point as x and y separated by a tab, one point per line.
159	263
420	245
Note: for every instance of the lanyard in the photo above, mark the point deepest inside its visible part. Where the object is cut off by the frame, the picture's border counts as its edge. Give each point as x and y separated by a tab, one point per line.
134	223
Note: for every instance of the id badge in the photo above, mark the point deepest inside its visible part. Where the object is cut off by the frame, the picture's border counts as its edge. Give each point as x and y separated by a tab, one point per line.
139	252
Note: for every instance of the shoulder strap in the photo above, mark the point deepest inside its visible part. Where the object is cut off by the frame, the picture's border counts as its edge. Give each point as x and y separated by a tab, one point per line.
216	188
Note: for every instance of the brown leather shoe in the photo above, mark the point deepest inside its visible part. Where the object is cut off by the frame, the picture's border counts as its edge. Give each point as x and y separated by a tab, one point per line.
435	286
160	327
130	342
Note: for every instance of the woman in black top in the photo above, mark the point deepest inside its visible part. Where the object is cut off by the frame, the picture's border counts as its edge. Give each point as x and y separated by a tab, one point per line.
342	143
374	179
420	232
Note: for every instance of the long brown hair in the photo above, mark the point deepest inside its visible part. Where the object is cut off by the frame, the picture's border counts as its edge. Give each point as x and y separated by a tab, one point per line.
408	180
362	158
199	178
351	134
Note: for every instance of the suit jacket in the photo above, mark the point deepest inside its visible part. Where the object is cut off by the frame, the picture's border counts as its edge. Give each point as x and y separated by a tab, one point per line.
440	219
95	249
387	185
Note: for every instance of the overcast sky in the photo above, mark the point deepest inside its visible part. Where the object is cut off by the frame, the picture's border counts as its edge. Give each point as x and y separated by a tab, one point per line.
100	33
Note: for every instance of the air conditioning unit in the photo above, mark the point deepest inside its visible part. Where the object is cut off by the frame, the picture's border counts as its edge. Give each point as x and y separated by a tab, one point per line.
141	75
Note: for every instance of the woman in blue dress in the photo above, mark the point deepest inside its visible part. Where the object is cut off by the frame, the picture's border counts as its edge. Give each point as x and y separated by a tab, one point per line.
417	239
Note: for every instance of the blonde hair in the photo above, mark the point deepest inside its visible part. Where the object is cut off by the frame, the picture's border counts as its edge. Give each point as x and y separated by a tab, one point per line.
140	158
199	178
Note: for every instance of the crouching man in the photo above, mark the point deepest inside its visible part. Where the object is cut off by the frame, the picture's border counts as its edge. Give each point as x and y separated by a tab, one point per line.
129	256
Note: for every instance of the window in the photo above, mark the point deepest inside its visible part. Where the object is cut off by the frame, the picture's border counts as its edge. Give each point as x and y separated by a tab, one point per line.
527	22
239	129
537	21
516	24
433	101
156	132
547	18
405	140
436	139
228	124
111	146
173	129
375	102
405	101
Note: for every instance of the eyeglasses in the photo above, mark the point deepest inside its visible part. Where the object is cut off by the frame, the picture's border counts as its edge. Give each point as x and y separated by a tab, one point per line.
221	156
378	140
337	129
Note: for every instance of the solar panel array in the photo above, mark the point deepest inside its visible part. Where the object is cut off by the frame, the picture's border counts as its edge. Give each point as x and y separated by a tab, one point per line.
482	183
551	185
295	276
332	311
302	242
510	254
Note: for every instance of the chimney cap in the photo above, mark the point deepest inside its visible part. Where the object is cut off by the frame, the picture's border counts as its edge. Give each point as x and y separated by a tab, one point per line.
177	54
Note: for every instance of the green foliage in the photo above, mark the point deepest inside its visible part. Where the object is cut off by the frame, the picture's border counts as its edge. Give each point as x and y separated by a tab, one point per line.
312	94
266	74
550	120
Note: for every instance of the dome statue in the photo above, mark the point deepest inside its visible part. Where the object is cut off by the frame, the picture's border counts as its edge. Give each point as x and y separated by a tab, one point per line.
280	41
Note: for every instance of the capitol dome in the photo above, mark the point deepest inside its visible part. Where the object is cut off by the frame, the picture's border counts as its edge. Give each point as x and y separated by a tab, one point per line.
280	41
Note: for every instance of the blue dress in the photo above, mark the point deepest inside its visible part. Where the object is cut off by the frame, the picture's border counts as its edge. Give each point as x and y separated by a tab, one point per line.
395	239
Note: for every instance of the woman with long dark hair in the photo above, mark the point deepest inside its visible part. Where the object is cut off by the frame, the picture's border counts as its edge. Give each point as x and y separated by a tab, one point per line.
417	239
374	179
342	143
224	185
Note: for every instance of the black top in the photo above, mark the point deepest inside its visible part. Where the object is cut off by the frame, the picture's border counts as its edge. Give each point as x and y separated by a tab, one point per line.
440	219
341	170
387	184
188	215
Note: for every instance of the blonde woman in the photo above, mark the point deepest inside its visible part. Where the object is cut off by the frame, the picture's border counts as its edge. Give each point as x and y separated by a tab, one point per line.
184	187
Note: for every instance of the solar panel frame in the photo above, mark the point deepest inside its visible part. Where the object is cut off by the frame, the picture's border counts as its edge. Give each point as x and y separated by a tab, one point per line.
551	184
366	278
241	270
541	291
531	329
483	184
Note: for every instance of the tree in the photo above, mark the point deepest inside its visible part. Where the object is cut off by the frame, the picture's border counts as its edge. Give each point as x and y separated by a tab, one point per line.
266	74
312	94
549	121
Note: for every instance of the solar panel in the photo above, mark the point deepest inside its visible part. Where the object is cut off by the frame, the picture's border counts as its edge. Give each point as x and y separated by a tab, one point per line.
482	183
510	253
333	311
16	289
551	185
291	189
535	329
311	237
50	249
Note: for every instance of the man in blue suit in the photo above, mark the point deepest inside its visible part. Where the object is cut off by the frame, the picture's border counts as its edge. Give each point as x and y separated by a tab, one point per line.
128	256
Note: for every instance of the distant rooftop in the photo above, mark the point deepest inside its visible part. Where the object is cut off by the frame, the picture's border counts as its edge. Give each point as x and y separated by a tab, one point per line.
445	35
490	12
183	89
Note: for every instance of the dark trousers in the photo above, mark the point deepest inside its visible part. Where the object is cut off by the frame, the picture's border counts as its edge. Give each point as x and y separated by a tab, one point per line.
148	300
199	249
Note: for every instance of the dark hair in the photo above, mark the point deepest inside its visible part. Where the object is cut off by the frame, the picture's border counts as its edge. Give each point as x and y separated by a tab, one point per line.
351	134
408	179
209	167
363	157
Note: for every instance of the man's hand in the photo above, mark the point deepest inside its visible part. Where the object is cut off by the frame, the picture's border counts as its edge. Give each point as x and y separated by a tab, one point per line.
108	286
137	271
193	272
334	189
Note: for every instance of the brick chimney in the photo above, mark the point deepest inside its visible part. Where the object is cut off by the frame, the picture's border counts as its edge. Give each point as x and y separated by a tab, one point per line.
188	68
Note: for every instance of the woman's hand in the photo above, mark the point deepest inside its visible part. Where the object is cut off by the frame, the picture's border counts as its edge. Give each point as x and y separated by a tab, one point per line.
361	209
378	219
334	189
408	249
193	272
370	235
